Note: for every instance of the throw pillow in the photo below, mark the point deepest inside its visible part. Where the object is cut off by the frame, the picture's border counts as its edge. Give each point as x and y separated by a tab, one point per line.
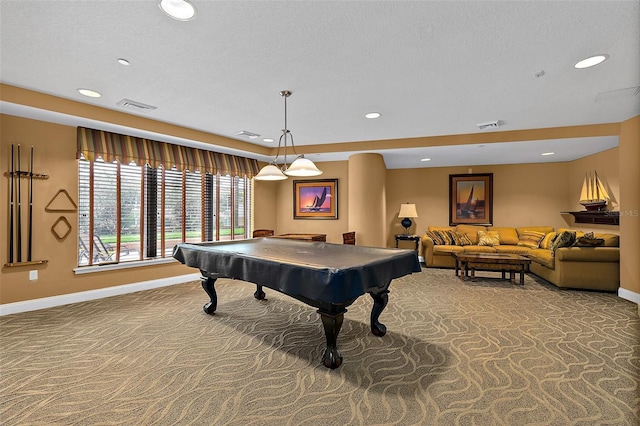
589	240
447	238
488	238
547	240
564	239
531	239
437	240
464	240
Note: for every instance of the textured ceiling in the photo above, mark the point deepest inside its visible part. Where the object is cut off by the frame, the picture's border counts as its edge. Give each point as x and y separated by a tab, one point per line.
431	68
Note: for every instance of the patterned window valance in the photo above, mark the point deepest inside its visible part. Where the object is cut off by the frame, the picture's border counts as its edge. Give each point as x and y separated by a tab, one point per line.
126	149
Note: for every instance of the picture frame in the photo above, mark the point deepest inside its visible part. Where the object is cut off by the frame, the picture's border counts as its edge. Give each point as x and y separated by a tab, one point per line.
471	199
315	199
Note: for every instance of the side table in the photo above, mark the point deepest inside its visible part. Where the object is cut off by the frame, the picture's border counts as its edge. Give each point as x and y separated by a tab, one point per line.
405	237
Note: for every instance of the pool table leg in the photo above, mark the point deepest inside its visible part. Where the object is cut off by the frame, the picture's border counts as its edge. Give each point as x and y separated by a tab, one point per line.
208	286
380	301
332	324
259	294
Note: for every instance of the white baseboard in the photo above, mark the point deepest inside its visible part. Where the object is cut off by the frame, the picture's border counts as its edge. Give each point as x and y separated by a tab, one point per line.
83	296
65	299
629	295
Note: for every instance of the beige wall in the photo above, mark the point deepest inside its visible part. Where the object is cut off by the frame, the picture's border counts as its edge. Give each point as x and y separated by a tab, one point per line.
630	205
286	224
524	194
367	192
54	155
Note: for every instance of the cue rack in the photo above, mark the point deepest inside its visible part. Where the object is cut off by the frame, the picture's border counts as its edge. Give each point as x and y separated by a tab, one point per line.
21	183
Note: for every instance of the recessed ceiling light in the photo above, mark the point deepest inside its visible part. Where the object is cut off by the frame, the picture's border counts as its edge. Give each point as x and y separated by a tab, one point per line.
589	62
182	10
425	159
267	140
89	93
373	115
123	61
548	153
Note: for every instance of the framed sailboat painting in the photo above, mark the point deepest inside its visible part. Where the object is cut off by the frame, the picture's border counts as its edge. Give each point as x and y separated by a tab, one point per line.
315	199
471	199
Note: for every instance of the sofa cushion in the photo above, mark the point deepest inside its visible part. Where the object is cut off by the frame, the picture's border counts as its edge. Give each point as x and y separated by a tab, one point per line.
588	254
479	249
547	240
446	249
544	229
507	235
531	239
488	238
471	231
610	240
441	228
543	257
521	250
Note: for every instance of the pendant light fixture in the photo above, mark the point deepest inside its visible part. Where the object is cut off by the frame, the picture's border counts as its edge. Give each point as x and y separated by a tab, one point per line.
300	167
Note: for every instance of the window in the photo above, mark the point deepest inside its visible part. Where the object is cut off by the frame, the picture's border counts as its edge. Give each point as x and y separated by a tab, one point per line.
131	212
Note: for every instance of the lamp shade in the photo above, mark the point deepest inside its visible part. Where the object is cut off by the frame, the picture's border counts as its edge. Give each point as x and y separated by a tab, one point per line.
302	167
270	172
408	210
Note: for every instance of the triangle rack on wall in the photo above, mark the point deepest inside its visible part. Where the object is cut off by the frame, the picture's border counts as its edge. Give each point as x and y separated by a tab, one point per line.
61	205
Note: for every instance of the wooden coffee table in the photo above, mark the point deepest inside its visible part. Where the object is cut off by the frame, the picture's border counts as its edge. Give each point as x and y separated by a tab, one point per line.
502	262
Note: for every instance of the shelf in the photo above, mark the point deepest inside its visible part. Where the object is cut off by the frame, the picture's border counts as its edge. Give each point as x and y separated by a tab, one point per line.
597	217
25	174
30	262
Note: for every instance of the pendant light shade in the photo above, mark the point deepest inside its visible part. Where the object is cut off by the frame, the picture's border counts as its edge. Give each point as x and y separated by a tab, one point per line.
270	172
300	167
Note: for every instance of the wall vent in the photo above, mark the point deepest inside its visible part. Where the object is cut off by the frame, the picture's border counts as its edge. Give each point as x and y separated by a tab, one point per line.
490	125
135	106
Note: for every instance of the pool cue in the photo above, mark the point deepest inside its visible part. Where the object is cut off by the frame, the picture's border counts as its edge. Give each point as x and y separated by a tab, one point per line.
30	225
11	206
18	221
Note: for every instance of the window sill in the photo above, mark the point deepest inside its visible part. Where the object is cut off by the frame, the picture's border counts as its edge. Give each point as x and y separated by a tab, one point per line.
124	265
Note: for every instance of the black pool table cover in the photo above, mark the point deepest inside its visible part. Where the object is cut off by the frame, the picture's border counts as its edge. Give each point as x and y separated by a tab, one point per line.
327	276
317	273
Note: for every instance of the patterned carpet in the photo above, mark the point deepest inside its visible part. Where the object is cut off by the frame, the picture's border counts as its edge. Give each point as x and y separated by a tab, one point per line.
456	353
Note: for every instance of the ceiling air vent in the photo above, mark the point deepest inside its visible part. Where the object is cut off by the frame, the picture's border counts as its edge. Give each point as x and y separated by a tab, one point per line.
135	106
250	135
490	125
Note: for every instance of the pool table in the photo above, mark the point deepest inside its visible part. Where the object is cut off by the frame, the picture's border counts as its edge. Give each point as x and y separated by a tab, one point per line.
329	277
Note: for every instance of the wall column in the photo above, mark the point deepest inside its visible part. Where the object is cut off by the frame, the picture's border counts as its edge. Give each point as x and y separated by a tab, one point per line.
367	176
630	207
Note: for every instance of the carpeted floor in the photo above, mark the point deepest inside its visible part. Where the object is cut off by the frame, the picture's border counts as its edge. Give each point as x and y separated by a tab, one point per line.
456	353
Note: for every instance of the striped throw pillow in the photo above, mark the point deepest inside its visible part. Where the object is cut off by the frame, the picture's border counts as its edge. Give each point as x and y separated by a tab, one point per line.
531	239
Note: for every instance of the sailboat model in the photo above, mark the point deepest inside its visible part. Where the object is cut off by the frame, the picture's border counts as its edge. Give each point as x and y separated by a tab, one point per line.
593	195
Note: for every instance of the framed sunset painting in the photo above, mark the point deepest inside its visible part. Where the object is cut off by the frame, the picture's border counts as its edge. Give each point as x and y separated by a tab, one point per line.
315	199
471	199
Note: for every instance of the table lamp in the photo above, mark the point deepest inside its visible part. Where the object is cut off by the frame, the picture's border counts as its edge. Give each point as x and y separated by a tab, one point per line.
407	211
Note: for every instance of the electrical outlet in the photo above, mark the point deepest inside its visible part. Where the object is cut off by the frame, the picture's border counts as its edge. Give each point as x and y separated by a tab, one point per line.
33	275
